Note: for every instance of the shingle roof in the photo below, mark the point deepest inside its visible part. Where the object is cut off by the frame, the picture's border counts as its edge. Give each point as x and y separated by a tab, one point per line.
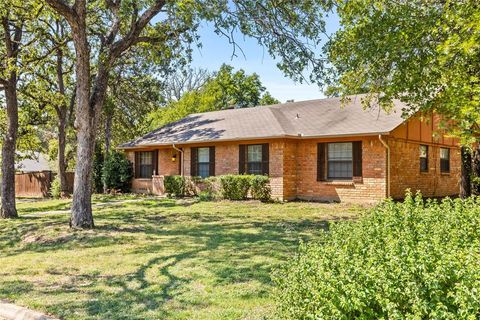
312	118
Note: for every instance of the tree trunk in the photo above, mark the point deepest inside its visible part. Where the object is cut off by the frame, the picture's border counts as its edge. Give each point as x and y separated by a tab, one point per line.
62	163
476	170
81	216
108	133
465	183
8	208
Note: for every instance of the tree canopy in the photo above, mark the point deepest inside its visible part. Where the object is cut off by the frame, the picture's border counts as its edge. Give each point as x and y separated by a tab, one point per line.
425	53
224	89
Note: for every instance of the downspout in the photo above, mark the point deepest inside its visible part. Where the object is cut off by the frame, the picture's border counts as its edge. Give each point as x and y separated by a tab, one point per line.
181	156
388	163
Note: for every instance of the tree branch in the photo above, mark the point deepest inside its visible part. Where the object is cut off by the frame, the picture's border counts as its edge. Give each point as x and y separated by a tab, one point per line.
63	8
136	28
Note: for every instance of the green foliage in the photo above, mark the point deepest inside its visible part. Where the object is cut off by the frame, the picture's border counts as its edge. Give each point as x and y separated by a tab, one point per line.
209	189
117	172
267	99
260	188
424	53
55	191
224	89
235	187
98	160
410	260
175	186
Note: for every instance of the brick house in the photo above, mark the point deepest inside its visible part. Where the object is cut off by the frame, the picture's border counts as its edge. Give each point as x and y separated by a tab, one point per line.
313	150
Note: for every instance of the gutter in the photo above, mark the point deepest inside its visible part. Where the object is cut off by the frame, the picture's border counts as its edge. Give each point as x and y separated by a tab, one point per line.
181	156
299	136
388	163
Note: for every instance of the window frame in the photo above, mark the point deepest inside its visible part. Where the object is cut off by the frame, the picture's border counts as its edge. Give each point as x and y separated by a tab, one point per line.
328	161
249	163
140	174
196	164
423	164
444	163
207	163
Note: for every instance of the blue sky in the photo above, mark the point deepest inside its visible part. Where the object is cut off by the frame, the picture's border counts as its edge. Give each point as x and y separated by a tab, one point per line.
216	50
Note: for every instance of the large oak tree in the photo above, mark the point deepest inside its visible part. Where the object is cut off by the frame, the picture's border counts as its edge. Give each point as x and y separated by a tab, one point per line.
103	31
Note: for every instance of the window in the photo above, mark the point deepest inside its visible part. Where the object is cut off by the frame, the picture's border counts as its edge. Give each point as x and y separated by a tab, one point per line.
254	159
145	165
340	160
423	158
203	162
444	160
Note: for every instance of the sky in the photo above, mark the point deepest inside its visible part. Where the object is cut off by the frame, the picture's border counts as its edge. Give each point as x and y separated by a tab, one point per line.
216	50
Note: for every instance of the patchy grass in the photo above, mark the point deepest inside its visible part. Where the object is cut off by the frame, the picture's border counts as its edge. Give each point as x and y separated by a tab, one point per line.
155	258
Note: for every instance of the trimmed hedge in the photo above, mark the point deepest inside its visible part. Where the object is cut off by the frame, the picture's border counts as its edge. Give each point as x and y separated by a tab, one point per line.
410	260
260	188
231	187
235	187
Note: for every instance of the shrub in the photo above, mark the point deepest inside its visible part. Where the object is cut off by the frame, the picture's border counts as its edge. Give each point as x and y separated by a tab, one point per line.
410	260
235	187
209	189
55	191
175	186
97	170
260	188
117	172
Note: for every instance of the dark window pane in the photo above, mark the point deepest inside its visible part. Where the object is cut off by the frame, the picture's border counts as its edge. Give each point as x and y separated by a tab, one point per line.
146	164
254	168
340	160
204	169
423	158
340	169
423	164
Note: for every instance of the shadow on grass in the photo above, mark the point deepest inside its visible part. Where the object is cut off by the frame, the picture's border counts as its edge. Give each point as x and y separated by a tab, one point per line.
230	249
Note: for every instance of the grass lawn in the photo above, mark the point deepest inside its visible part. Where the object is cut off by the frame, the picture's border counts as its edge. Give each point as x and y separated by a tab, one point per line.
155	258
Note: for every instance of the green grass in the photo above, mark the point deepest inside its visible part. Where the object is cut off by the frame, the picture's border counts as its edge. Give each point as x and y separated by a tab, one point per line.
155	259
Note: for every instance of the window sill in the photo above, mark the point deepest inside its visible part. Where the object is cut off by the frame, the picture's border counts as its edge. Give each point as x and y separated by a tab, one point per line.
445	173
339	182
144	179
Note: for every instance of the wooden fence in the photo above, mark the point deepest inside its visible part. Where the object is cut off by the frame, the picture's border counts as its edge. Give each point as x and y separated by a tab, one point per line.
37	184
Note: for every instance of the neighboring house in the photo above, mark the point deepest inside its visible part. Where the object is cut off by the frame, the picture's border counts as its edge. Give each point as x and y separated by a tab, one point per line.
38	162
312	150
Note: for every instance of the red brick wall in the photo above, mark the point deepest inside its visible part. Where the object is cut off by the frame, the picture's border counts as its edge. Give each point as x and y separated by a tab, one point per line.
371	188
405	170
293	167
226	161
166	167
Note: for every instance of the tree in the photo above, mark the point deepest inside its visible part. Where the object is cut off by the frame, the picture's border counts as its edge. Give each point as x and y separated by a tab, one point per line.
225	89
12	32
289	30
51	86
183	81
425	53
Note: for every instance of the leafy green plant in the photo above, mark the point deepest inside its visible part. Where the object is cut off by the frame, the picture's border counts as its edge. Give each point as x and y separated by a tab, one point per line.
55	191
175	186
117	172
260	188
412	260
235	187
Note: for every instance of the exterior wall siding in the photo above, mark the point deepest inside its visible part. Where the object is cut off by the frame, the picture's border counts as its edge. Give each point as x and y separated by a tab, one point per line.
293	166
405	170
371	188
